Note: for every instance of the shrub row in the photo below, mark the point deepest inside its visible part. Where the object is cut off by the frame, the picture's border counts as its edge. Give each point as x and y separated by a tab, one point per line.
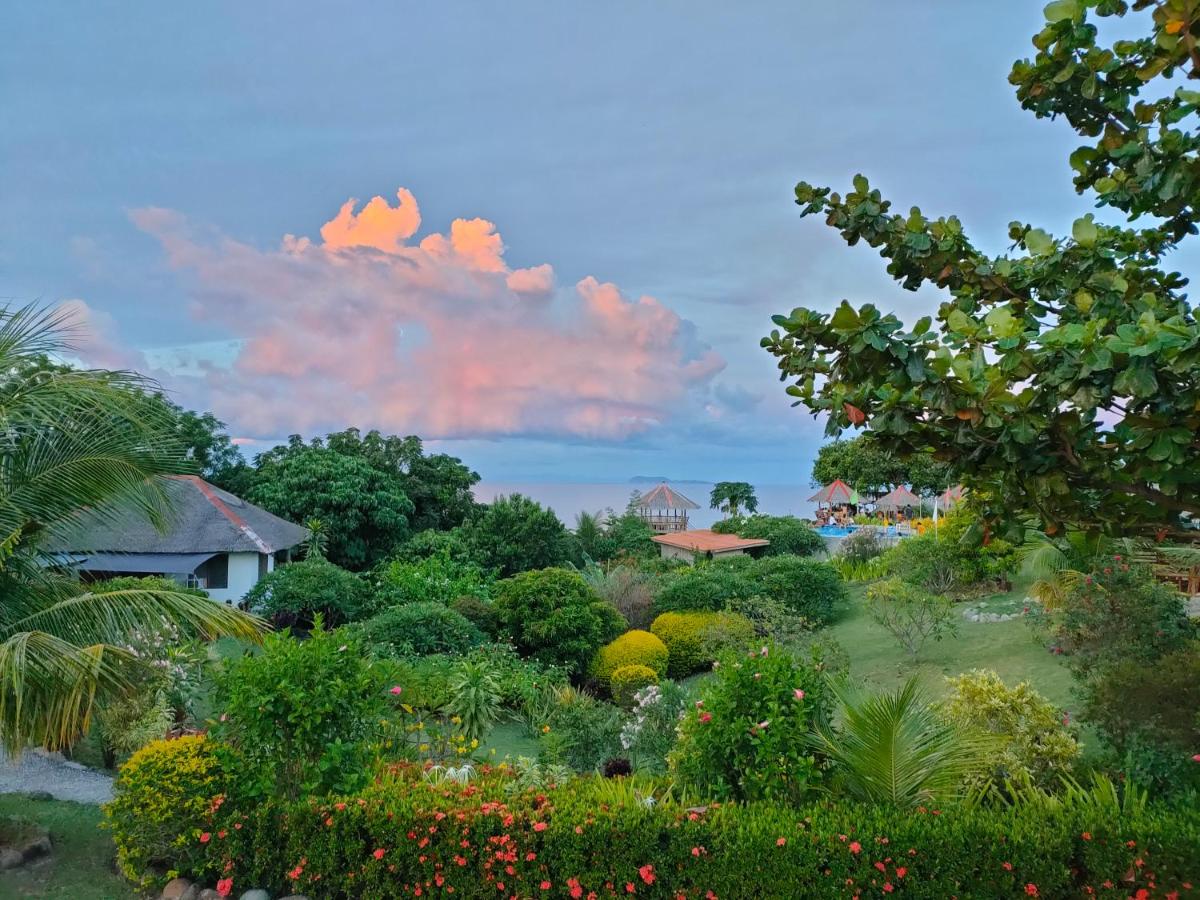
806	587
410	836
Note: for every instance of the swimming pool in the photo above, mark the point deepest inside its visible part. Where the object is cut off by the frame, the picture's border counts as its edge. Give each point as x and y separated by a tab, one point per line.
846	530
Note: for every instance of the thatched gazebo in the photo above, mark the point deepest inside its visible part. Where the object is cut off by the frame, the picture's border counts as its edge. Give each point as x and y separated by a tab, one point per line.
898	499
664	509
837	493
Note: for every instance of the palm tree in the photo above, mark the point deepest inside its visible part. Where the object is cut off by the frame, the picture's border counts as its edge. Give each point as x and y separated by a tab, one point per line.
589	529
72	440
892	748
731	497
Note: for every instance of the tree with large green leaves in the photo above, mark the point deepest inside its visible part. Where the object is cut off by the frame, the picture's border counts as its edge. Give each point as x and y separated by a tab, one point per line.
731	497
866	466
74	440
1062	380
363	511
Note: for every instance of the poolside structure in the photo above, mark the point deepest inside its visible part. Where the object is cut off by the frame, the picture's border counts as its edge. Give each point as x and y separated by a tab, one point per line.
898	499
835	494
664	509
705	544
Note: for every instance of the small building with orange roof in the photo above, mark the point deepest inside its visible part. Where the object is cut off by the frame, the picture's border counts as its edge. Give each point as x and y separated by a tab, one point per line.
703	543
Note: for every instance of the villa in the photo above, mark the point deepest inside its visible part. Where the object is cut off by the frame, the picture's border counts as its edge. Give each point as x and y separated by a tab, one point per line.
213	540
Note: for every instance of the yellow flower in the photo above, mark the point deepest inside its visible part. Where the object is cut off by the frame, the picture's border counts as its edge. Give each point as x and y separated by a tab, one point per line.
545	729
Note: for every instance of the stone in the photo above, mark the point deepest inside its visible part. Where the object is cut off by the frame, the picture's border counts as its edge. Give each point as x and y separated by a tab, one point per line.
40	796
209	894
177	889
10	859
256	894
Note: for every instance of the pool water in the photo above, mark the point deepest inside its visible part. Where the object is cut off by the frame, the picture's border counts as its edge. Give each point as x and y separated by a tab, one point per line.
846	530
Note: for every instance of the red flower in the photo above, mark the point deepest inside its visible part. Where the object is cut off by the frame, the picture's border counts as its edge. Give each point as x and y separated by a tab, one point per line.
647	873
881	867
780	842
901	871
576	889
539	826
887	887
1007	866
225	887
205	838
705	717
545	885
1087	835
629	888
1031	890
855	847
378	854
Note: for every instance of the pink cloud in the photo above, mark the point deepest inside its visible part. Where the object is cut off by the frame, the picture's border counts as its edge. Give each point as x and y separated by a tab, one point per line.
439	337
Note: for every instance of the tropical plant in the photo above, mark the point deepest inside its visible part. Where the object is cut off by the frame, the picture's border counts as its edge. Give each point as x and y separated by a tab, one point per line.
580	731
515	534
649	732
861	546
892	748
1035	743
731	497
1063	380
552	616
788	535
912	615
422	628
628	588
589	532
437	578
76	440
293	595
474	697
746	737
316	545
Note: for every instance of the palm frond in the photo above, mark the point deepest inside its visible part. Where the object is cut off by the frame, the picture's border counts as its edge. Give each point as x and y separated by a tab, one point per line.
49	688
1042	557
891	747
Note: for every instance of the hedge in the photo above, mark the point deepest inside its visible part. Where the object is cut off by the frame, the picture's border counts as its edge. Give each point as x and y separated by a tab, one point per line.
632	648
407	836
693	639
628	680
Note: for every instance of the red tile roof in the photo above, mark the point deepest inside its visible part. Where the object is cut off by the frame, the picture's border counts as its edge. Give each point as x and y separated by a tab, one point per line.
703	540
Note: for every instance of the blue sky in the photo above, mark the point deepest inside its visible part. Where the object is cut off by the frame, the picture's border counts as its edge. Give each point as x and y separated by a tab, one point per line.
154	156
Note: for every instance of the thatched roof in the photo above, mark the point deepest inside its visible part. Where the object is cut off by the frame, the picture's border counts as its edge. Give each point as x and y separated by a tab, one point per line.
898	498
838	492
665	497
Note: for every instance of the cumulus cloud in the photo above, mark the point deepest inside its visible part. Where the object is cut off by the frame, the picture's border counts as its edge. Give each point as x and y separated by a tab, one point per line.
439	336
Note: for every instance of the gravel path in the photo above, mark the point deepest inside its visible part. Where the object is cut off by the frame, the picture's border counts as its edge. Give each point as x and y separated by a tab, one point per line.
49	772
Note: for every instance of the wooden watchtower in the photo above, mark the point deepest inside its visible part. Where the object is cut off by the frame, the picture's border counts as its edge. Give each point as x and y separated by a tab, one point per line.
665	510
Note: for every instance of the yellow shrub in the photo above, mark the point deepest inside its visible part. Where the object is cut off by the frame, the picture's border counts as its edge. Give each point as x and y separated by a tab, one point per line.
628	680
162	795
693	639
632	648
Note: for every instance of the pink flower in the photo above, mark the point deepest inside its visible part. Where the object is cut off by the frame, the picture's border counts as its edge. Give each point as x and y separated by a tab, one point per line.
855	847
225	887
647	873
762	652
1196	757
378	854
1031	890
397	690
901	871
205	838
539	826
545	885
798	694
763	724
779	842
1007	866
705	717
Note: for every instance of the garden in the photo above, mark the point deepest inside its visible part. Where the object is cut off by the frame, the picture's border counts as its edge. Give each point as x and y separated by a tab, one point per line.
441	697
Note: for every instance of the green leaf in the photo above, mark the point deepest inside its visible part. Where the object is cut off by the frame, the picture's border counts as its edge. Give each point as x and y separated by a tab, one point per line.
922	325
1084	231
1061	10
959	321
845	317
1083	301
1039	243
1003	323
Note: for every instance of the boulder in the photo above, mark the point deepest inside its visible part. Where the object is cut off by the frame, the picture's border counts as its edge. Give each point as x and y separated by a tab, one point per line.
256	894
179	889
209	894
10	859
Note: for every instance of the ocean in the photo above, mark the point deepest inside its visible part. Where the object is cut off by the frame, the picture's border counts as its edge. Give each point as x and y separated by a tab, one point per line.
568	499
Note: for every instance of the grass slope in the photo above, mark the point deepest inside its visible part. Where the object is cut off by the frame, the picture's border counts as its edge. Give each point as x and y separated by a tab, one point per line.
81	866
1010	648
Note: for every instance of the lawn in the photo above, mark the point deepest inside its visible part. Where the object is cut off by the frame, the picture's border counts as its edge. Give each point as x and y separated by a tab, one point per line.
81	866
1009	648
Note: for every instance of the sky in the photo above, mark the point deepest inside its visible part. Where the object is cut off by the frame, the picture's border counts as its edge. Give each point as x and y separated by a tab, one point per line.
545	236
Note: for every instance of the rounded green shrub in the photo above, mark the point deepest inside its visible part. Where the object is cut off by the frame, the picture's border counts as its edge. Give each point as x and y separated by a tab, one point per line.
553	616
294	594
694	639
161	796
478	612
632	648
423	628
628	680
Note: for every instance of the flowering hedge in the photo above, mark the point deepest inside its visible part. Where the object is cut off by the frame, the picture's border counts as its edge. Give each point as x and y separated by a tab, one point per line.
408	837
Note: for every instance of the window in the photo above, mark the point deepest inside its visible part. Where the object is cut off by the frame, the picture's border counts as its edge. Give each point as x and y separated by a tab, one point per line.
214	573
262	566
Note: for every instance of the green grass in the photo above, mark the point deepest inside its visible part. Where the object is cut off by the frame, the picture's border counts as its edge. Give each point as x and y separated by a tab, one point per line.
81	866
1010	648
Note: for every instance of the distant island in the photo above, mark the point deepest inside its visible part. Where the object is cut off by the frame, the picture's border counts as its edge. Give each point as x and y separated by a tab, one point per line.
659	479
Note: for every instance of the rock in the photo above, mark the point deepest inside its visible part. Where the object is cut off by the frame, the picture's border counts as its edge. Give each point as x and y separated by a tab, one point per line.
39	846
256	894
177	889
41	796
209	894
10	859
